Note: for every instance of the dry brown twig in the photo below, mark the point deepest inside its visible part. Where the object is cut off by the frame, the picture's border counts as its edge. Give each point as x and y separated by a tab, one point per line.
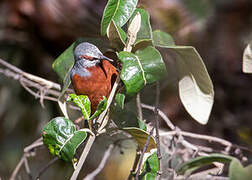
23	161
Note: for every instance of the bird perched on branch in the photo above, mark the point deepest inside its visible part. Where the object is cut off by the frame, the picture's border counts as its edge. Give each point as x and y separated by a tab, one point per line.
92	74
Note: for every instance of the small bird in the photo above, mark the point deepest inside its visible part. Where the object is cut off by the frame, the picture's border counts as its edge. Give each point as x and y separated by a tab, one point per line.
92	74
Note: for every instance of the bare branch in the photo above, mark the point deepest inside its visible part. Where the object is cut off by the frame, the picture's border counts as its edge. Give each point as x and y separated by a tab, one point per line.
199	136
107	153
156	125
43	169
139	108
16	170
142	155
24	160
161	114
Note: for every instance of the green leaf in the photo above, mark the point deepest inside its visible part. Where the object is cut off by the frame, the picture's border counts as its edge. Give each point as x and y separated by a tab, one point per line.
149	176
152	163
162	39
83	102
100	108
125	117
144	35
140	136
64	63
144	67
150	168
142	125
195	86
120	98
119	11
202	161
238	172
247	59
116	36
61	138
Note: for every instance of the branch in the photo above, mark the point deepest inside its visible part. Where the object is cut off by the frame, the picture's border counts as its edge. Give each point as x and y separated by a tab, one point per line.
24	160
139	108
161	114
43	169
142	155
156	125
103	162
199	136
45	89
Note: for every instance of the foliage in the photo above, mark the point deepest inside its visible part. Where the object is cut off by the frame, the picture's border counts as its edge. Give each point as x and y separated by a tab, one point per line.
142	64
62	138
236	170
150	167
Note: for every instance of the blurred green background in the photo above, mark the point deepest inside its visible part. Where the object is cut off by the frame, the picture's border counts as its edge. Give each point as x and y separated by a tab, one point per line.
34	32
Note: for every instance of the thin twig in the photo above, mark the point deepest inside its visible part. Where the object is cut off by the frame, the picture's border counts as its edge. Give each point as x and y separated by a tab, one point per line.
133	170
16	170
139	108
82	159
24	161
102	164
161	114
40	80
43	169
27	168
156	125
142	155
199	136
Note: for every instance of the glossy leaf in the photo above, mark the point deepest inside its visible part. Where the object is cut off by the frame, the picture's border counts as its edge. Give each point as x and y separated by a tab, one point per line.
162	39
144	35
202	161
144	67
83	102
247	59
100	108
116	36
61	138
119	11
120	98
150	168
238	172
140	136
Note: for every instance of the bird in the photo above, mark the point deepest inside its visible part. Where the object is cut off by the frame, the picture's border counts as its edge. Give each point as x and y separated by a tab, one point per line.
92	73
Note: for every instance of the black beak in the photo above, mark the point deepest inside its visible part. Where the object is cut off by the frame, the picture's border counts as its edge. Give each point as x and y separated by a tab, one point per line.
102	57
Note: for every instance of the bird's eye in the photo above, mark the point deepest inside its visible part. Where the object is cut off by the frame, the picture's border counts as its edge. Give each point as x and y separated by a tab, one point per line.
87	57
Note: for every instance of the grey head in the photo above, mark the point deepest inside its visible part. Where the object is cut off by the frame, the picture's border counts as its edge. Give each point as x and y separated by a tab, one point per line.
86	49
86	55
